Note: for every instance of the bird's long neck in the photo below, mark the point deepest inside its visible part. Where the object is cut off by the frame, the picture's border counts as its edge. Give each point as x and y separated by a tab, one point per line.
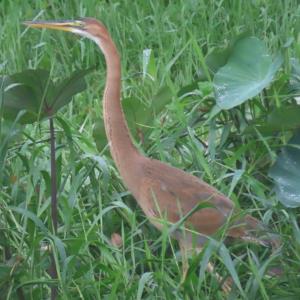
122	149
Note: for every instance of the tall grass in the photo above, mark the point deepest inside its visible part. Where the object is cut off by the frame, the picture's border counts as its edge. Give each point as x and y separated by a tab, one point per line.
93	202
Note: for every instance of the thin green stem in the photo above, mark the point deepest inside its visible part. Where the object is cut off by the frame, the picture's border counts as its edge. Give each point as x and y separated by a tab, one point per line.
54	214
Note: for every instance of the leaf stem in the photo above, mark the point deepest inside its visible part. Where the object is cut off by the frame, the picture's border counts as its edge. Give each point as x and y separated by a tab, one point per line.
53	177
54	214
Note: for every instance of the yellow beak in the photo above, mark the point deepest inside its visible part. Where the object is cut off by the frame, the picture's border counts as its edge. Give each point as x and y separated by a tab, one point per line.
64	25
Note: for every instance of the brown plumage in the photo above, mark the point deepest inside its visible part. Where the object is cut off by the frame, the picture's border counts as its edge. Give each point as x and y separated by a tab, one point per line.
165	193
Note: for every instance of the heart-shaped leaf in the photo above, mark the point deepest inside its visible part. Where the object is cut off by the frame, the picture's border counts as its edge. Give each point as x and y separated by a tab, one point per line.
286	117
135	112
9	131
24	91
68	88
286	173
138	115
248	71
218	57
99	135
34	92
160	100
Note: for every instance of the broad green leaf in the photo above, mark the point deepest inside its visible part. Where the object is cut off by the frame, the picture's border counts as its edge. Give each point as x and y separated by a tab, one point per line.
187	89
25	91
9	131
37	80
160	100
68	88
285	117
218	57
249	70
138	113
139	116
99	135
286	173
34	92
135	112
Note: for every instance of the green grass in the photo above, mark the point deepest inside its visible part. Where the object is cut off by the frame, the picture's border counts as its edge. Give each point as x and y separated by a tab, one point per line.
93	203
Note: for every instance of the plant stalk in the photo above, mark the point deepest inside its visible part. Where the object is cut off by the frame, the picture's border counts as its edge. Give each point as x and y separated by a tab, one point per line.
54	210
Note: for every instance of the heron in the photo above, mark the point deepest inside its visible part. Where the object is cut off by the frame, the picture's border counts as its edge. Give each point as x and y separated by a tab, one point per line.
166	194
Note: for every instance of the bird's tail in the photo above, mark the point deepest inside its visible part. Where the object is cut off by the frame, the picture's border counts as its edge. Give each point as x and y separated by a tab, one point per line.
252	230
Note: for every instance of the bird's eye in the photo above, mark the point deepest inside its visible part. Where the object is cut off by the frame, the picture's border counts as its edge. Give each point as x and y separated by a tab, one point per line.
79	23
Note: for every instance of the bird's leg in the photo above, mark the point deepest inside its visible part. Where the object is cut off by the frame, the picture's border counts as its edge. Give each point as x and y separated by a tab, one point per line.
184	260
225	284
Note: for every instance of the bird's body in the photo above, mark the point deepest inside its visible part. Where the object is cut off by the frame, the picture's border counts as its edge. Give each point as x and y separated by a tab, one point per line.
161	181
165	193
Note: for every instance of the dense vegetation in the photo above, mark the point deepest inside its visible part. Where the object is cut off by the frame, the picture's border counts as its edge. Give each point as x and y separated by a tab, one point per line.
168	68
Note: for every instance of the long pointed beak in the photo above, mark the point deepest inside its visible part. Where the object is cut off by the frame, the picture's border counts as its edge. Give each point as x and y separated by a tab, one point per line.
64	25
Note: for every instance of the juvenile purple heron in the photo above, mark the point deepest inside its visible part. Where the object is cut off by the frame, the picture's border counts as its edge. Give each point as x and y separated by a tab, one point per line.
163	192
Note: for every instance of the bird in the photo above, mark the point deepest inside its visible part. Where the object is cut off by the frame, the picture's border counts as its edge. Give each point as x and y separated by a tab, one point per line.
166	194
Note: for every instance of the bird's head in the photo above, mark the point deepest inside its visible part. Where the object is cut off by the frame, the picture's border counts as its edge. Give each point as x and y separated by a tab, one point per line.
86	27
